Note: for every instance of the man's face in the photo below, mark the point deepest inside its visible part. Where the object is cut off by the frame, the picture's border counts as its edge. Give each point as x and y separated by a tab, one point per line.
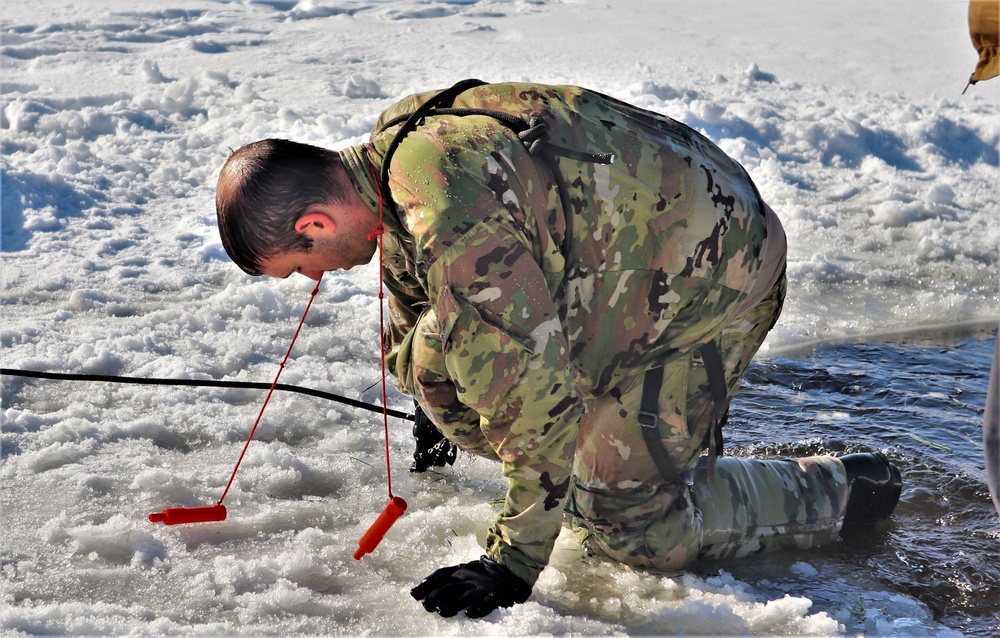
340	239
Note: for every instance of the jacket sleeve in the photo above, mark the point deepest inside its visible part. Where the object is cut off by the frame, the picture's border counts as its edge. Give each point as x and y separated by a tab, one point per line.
504	349
501	338
413	353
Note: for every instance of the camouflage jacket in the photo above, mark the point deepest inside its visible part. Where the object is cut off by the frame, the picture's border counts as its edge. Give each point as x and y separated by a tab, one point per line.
523	285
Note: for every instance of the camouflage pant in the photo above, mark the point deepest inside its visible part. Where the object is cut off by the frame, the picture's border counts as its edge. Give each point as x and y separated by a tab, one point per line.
619	502
748	507
623	508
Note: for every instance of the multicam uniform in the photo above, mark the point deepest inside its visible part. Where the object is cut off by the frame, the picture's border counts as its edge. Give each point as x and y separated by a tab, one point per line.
530	293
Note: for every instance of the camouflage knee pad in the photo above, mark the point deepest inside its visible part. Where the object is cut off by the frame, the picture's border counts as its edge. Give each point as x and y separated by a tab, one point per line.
644	527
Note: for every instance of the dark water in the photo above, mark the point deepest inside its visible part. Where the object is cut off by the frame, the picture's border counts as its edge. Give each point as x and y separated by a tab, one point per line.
920	401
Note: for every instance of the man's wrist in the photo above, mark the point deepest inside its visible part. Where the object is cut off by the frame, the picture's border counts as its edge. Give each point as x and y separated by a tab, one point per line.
514	560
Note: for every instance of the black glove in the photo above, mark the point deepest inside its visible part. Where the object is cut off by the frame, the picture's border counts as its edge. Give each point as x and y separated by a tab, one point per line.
477	588
432	448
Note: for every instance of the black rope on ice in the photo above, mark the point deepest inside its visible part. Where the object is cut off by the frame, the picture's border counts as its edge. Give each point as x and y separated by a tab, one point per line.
209	383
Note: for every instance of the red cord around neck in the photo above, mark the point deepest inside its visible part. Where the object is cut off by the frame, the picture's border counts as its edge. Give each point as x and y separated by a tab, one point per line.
379	232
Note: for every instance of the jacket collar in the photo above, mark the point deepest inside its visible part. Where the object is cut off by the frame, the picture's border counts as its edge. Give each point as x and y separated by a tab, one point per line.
362	163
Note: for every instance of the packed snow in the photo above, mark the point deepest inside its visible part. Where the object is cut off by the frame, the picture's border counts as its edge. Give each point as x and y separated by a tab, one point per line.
118	114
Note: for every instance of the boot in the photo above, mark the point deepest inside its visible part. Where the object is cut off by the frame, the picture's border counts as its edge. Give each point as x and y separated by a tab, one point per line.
873	486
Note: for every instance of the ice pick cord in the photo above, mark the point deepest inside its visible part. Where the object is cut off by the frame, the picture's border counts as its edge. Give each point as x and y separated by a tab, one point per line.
217	512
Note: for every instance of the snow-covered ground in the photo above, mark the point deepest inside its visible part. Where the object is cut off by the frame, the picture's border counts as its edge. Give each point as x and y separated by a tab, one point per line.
117	115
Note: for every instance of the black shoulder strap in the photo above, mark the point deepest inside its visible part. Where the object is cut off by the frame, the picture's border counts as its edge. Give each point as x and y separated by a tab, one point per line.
648	415
446	96
534	133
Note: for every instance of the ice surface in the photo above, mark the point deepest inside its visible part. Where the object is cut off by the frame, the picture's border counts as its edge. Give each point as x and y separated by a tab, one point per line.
117	115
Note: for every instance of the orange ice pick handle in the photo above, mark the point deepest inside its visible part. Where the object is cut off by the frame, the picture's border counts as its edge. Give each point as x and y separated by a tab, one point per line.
370	540
194	514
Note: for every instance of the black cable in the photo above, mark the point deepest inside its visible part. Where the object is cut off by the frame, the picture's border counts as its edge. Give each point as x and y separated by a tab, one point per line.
209	383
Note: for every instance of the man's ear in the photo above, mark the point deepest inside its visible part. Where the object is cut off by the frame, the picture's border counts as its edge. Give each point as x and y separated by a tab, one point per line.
314	222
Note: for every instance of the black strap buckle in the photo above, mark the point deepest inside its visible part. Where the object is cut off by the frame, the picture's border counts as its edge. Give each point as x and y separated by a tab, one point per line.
646	419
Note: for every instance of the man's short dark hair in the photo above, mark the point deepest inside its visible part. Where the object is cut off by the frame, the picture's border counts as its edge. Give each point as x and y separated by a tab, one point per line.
264	187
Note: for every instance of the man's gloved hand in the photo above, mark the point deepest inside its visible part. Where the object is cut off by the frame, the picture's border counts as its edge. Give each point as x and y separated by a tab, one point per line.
433	450
477	588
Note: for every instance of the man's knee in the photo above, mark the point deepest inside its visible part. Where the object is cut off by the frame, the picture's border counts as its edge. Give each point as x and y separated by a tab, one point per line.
662	532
